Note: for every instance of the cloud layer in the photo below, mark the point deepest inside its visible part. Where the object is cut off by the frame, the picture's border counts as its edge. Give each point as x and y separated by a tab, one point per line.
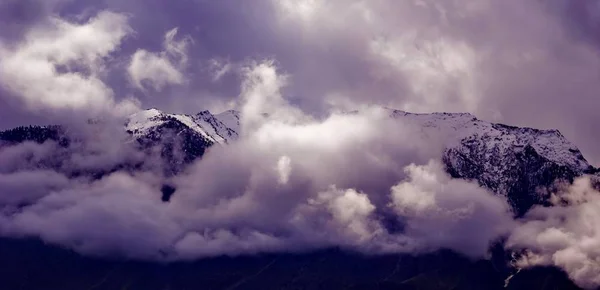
291	183
301	177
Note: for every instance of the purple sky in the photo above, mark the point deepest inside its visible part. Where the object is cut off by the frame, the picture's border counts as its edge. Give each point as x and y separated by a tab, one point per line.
530	63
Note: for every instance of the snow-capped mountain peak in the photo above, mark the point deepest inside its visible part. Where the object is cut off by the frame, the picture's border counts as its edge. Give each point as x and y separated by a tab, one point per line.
511	161
458	129
143	120
205	124
455	130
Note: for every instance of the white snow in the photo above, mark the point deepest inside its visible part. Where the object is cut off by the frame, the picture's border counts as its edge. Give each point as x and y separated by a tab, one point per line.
455	128
231	119
194	125
139	122
205	124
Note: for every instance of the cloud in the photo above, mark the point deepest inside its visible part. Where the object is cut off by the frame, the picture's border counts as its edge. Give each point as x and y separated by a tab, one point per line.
450	213
291	183
58	66
498	60
566	235
219	68
163	68
19	182
97	218
284	169
261	94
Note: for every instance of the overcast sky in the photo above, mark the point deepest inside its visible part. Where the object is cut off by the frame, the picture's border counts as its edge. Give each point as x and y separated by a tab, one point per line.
530	63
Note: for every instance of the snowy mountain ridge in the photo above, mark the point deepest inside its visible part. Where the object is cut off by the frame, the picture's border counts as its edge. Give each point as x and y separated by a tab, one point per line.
512	161
458	129
454	129
219	129
520	163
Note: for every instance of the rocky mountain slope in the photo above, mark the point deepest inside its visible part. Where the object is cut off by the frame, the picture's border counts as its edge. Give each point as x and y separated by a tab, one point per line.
516	162
176	134
519	163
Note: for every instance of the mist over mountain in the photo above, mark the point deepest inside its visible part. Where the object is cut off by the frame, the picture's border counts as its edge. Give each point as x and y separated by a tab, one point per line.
181	187
299	144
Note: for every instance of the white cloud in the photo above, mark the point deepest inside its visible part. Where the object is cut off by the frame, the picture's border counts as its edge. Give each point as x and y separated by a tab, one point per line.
353	211
301	9
156	69
566	235
57	65
218	68
159	69
479	56
291	183
451	213
434	69
284	169
261	94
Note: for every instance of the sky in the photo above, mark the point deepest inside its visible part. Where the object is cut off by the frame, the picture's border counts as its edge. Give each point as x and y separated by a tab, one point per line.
527	63
292	184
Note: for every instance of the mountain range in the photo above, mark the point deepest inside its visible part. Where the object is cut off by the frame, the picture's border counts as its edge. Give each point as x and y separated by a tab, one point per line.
522	164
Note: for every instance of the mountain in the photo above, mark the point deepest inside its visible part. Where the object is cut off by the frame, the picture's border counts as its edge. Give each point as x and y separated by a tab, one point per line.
519	163
174	134
214	129
522	164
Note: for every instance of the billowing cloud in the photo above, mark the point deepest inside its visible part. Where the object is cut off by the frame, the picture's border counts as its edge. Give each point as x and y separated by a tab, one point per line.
19	182
58	66
502	61
160	69
291	183
566	235
450	213
522	63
